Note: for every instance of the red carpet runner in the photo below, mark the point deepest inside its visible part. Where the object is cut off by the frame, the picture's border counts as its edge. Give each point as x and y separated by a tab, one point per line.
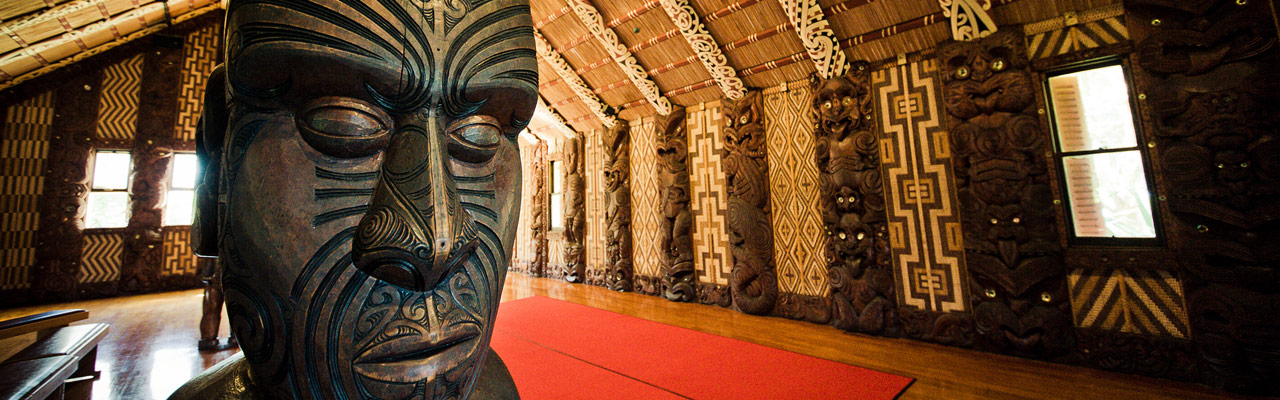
561	350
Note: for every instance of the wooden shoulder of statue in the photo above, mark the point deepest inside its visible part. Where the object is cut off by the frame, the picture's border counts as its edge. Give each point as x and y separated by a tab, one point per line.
360	189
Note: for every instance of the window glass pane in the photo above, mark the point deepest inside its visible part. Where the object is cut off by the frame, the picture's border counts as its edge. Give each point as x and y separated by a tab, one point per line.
178	207
1092	110
557	211
111	171
107	210
557	183
1108	194
186	170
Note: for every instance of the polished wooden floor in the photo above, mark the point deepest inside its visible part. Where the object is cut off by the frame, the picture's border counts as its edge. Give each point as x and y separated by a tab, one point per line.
150	350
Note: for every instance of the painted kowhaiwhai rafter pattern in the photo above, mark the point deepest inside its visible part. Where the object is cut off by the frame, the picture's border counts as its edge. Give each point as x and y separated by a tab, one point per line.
704	45
815	32
620	55
575	83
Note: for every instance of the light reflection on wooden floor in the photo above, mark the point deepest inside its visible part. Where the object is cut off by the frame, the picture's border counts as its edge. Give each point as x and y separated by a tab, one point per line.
151	348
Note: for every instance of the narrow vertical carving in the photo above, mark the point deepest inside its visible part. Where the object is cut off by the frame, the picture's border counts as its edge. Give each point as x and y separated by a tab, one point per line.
617	216
152	151
678	280
1209	68
1018	278
575	215
847	154
57	275
538	210
753	280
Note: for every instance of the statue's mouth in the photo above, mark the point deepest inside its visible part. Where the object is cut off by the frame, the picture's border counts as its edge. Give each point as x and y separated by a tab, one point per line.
414	358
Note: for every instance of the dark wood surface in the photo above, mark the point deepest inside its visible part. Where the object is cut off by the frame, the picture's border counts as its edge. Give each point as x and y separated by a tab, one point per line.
151	349
20	325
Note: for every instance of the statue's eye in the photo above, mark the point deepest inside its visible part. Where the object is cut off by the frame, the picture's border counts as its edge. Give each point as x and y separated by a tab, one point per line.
344	127
962	72
474	139
847	101
997	65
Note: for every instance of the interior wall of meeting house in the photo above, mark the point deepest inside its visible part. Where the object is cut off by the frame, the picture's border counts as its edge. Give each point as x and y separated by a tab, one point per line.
914	187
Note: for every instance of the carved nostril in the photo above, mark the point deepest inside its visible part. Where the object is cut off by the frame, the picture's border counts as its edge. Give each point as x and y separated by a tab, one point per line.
442	244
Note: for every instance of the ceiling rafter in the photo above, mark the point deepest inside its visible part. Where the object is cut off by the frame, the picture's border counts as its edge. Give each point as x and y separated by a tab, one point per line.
551	17
625	60
644	8
559	121
815	32
575	83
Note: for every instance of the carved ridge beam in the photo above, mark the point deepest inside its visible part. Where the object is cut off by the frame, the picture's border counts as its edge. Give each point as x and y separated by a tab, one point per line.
625	60
815	32
561	67
704	47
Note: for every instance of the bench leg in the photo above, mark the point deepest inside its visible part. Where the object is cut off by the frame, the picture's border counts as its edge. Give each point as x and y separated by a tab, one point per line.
80	385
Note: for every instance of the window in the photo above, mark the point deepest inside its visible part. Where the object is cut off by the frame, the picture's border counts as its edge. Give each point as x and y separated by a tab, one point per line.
557	196
180	201
1107	187
108	205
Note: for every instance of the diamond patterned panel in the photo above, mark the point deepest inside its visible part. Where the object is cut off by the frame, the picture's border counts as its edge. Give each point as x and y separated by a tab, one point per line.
645	202
793	191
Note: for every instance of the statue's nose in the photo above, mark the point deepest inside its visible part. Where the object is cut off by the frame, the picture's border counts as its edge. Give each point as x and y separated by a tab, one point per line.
415	231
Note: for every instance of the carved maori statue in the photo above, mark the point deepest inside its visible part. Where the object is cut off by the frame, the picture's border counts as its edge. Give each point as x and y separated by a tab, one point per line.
210	273
753	280
538	211
61	233
369	187
1208	69
1018	278
859	266
617	214
678	280
575	220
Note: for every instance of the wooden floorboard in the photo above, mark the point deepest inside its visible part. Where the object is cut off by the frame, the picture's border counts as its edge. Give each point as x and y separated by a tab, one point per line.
150	350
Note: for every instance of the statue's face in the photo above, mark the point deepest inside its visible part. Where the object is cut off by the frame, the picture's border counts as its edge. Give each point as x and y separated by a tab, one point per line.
369	189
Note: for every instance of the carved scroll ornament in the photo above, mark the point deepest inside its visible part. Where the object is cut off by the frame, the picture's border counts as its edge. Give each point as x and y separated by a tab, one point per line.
753	280
859	266
969	18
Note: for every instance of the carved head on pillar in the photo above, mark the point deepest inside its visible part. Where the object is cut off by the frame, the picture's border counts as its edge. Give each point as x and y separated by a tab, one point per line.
369	183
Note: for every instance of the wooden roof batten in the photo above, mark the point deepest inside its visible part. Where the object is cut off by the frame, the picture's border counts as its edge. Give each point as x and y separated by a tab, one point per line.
626	61
705	47
575	83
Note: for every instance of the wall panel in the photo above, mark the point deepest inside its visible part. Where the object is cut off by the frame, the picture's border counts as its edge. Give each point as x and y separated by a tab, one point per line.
794	197
645	199
709	202
23	150
199	56
594	165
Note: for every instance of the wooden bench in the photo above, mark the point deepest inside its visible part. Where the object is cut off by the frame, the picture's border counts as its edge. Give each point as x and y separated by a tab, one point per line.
60	364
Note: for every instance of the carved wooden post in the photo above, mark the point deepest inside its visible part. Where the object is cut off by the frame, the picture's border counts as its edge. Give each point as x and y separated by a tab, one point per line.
61	235
678	281
538	210
617	176
152	149
575	263
999	150
847	153
753	281
1208	82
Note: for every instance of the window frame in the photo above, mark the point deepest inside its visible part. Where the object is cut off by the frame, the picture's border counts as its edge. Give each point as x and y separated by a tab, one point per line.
552	179
91	173
1141	146
168	189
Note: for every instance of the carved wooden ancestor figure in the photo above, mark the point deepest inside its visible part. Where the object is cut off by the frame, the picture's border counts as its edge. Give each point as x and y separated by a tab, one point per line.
538	211
847	153
368	196
753	280
1213	93
617	215
575	221
678	281
1018	279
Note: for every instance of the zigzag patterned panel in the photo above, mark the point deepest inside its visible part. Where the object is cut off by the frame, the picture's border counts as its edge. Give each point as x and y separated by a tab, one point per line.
645	198
1086	30
924	228
23	150
199	56
794	196
118	108
594	166
100	260
1145	302
709	202
179	259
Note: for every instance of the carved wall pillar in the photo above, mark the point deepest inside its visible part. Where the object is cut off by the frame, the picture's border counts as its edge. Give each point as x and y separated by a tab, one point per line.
678	279
539	212
575	220
1017	275
859	266
753	281
1208	73
60	239
617	215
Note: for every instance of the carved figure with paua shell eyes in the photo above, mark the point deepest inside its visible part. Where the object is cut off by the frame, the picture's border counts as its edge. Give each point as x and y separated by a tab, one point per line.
369	186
